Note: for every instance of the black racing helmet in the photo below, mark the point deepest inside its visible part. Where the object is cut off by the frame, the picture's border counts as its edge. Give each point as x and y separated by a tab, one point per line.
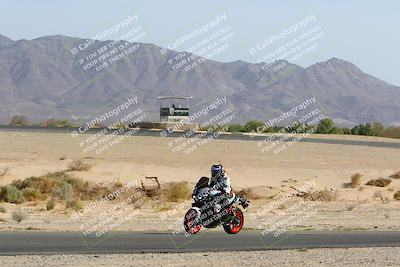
217	170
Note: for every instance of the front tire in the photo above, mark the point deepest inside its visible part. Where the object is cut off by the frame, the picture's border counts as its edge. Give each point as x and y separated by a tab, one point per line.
189	222
236	223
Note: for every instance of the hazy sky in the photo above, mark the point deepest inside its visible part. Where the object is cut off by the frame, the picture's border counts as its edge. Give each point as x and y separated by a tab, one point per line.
363	32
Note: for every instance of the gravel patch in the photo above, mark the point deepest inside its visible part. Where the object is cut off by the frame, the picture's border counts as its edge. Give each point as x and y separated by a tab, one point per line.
304	257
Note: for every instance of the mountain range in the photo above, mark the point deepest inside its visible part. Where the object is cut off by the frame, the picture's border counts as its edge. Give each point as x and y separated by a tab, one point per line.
42	79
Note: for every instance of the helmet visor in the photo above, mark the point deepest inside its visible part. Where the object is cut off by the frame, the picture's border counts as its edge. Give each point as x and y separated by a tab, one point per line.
216	172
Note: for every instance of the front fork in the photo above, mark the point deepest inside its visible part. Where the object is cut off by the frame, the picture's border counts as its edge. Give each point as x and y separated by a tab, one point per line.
197	220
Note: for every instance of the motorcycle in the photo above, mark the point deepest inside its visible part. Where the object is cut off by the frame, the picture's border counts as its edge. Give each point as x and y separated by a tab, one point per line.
211	209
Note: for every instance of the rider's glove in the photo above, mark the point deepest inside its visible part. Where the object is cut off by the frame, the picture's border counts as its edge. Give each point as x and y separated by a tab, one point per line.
245	203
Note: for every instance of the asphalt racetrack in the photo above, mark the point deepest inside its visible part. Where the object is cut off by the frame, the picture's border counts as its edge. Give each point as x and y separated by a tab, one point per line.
45	243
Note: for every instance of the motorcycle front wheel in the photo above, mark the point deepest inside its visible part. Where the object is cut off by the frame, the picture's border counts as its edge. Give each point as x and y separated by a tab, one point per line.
236	224
189	222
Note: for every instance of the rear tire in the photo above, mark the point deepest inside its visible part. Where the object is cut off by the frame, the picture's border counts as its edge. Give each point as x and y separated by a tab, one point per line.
188	222
235	227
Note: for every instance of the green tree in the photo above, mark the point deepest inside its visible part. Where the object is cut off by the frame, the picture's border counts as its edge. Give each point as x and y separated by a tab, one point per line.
346	131
368	130
363	129
339	130
297	128
326	126
378	128
18	120
256	126
392	132
56	123
355	130
236	128
276	129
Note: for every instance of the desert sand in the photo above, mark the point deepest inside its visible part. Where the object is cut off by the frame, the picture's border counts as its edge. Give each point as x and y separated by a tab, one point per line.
327	166
32	154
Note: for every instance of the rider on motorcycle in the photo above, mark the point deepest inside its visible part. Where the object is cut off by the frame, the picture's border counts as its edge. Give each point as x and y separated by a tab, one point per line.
215	204
219	180
220	185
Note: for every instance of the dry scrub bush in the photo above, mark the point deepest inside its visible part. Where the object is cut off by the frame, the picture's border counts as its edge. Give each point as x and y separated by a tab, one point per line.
93	191
246	192
160	207
178	191
395	175
79	165
64	192
31	194
356	180
19	215
48	182
10	193
51	204
153	191
396	195
4	171
74	204
323	195
380	182
3	210
282	207
54	183
379	194
351	207
45	183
